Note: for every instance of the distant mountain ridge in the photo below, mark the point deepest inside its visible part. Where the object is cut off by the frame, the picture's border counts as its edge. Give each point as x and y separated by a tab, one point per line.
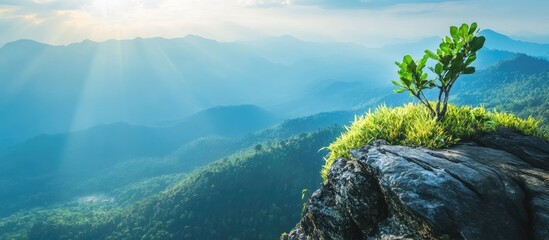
230	121
52	89
523	64
495	40
330	96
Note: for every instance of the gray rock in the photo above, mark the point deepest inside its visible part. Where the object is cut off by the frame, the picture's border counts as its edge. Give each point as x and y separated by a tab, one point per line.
531	149
469	191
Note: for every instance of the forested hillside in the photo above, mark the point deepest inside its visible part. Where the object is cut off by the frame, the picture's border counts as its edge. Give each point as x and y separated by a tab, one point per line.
520	86
208	204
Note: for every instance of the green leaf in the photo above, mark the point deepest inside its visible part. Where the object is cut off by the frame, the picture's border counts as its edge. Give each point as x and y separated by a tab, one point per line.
477	43
472	28
407	81
396	83
458	60
446	59
422	62
469	70
411	67
438	68
471	59
407	59
400	90
459	46
431	55
444	47
464	30
454	32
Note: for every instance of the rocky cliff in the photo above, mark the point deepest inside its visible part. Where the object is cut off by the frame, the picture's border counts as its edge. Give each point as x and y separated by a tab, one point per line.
495	187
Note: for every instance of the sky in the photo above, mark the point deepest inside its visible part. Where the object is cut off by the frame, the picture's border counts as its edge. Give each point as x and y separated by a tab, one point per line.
366	22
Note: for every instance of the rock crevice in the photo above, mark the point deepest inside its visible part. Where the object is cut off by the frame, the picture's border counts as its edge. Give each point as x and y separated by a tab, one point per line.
495	187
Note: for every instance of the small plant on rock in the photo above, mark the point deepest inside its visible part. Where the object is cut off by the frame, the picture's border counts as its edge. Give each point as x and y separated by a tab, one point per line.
453	58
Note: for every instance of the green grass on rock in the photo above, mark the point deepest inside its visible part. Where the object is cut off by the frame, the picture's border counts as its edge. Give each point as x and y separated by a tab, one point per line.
412	125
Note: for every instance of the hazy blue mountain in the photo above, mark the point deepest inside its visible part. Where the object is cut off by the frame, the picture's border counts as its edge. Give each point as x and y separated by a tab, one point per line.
499	41
51	89
60	88
200	152
42	162
541	39
296	126
415	48
487	58
109	159
288	49
332	96
230	121
104	143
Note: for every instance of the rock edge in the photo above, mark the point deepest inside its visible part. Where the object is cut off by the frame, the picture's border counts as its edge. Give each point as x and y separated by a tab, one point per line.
495	187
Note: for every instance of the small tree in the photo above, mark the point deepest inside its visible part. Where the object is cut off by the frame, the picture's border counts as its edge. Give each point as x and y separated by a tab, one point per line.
453	58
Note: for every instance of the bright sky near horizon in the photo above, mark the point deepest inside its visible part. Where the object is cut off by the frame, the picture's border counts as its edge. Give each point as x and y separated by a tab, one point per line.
367	22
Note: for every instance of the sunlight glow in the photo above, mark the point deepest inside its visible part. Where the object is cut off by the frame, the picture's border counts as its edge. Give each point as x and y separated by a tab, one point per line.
113	10
228	20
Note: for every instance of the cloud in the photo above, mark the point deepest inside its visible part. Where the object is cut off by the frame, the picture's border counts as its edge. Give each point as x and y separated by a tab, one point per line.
15	2
44	4
372	23
336	4
53	5
264	3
